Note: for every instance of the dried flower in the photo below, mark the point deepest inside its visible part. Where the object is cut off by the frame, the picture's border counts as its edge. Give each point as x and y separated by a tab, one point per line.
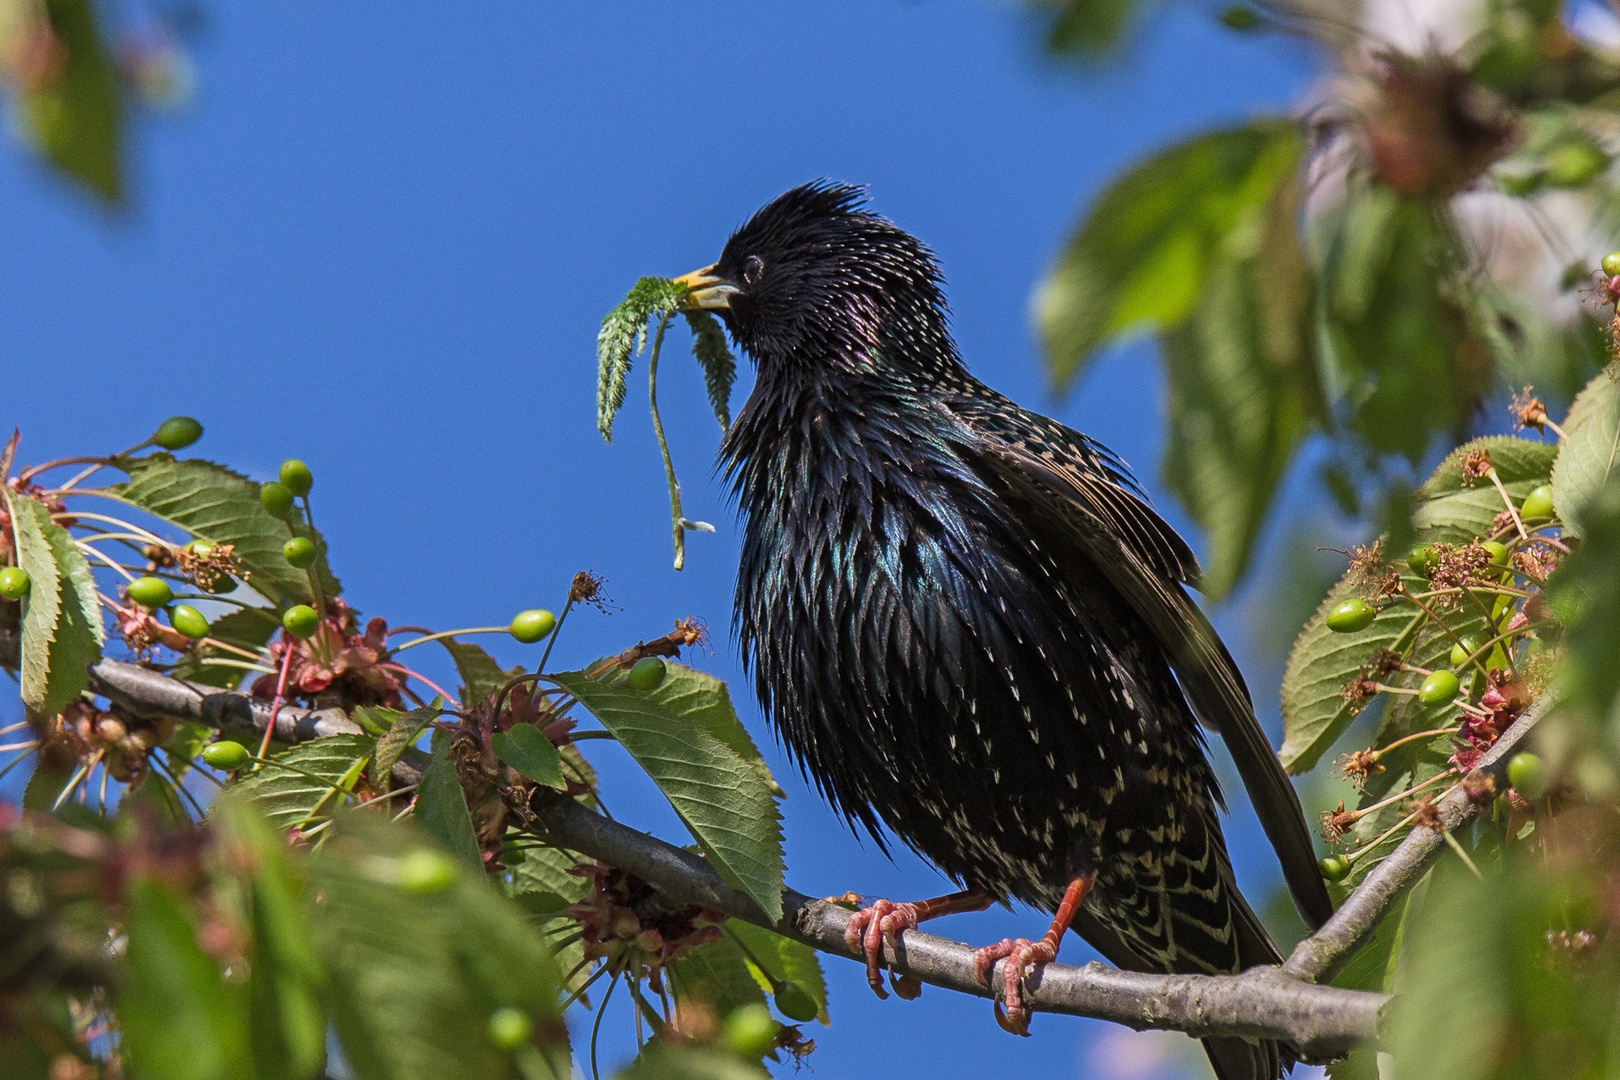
1528	412
1359	766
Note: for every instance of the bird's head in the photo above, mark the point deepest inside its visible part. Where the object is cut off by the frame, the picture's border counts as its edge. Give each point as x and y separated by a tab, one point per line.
814	278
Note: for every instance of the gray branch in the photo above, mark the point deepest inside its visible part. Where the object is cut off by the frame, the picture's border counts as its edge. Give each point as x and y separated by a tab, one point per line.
1288	1003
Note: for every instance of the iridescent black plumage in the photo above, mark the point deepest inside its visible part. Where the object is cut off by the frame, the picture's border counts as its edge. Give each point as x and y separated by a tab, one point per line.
965	620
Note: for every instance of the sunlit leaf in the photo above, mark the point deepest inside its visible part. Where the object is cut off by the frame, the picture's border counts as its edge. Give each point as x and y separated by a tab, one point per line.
413	979
402	733
719	796
180	1019
480	675
441	806
1239	373
76	116
61	620
527	750
292	796
1140	258
214	503
1590	451
718	975
777	959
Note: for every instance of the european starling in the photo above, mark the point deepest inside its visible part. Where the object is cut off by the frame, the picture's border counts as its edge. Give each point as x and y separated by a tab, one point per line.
971	629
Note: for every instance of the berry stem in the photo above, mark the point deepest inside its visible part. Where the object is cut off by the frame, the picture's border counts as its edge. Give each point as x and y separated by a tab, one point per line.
1452	634
1513	511
176	782
34	470
221	661
1381	751
1461	854
281	685
556	631
447	633
228	647
424	680
80	515
663	444
88	549
1357	815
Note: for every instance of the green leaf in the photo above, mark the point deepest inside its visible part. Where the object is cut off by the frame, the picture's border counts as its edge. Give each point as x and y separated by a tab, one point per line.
402	733
661	1061
1315	712
705	701
1140	258
480	675
1585	592
1238	375
76	118
718	795
624	332
527	750
1089	28
1392	331
441	807
214	503
61	619
783	960
718	975
1590	450
180	1019
246	628
413	980
719	367
375	720
288	1028
291	796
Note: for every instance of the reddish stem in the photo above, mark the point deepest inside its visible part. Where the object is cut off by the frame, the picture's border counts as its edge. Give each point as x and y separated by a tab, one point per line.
281	686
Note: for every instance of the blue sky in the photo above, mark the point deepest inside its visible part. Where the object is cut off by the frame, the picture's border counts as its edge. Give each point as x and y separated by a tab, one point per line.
382	237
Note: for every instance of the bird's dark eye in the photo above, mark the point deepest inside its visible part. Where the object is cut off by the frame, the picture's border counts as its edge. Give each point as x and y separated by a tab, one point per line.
752	268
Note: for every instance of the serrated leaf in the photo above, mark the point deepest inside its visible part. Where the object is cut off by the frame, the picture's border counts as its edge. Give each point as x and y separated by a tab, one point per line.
179	1018
1448	512
718	795
704	700
75	116
1139	259
287	798
480	675
214	503
783	960
375	720
546	870
441	806
413	980
1315	712
1590	450
246	628
624	332
402	733
718	975
527	750
1238	375
61	619
719	367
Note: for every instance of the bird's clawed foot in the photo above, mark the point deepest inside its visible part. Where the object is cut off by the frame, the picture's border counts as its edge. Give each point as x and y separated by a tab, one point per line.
1022	955
882	921
867	930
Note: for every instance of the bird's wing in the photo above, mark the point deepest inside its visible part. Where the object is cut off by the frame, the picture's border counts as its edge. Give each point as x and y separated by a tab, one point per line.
1056	472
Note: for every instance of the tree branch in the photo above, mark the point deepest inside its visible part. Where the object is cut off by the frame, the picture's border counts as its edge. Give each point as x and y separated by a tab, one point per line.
1288	1003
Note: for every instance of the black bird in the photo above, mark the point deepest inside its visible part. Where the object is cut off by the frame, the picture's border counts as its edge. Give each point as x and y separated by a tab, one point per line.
970	628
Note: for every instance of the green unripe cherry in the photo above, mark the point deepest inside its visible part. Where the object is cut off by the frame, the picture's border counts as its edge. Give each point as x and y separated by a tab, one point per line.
150	592
177	433
648	673
299	551
301	621
1422	559
188	620
225	755
750	1031
532	625
277	498
1439	688
793	1003
1611	263
14	582
1335	867
296	477
423	872
1575	163
201	548
1350	616
1462	651
510	1028
1528	775
1538	504
1498	553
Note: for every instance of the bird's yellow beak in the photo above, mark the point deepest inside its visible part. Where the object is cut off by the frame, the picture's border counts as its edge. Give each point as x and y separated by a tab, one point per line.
709	291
